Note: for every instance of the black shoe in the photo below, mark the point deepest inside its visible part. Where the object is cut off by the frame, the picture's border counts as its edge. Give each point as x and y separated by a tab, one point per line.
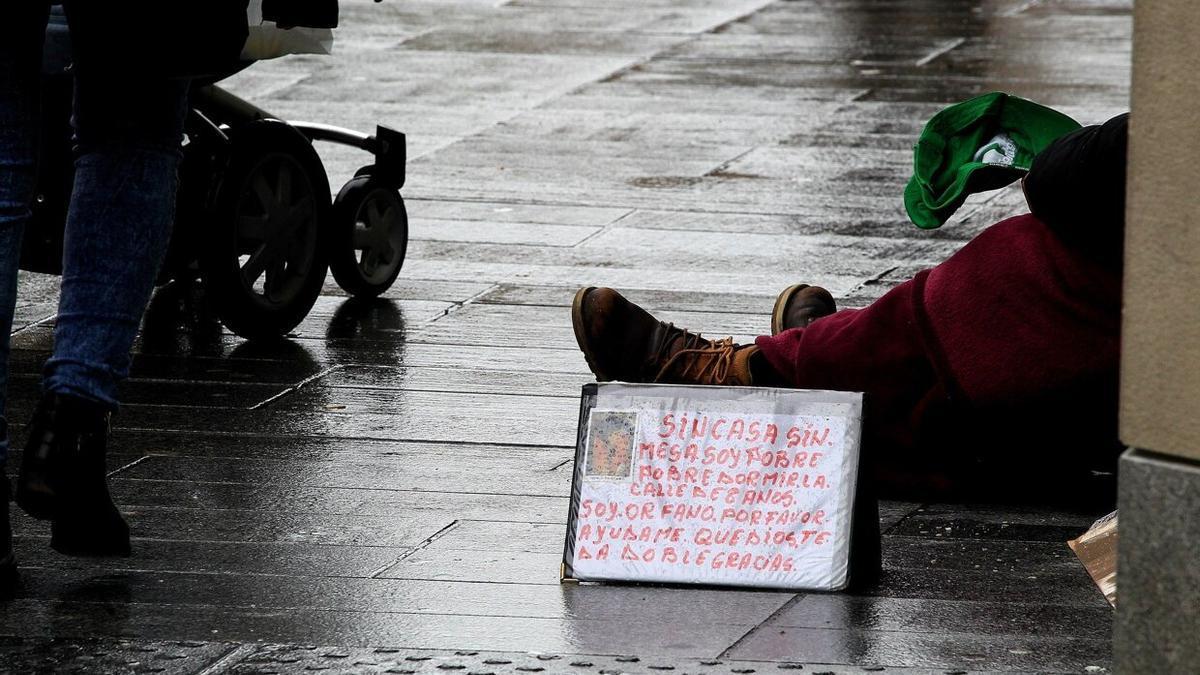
63	477
41	463
8	562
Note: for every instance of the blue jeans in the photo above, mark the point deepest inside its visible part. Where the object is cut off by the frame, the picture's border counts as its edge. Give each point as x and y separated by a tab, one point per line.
128	130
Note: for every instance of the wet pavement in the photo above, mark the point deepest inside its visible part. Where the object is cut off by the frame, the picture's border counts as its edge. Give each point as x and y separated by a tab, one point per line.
390	485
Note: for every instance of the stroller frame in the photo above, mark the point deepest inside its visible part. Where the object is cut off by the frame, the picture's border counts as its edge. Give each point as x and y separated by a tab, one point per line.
254	216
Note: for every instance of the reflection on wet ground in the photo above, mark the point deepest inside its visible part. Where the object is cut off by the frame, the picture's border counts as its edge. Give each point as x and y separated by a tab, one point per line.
391	480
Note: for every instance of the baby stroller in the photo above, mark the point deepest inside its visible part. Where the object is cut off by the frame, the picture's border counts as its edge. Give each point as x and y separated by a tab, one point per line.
254	217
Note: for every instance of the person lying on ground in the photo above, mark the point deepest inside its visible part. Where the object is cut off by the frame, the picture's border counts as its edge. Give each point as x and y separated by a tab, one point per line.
996	369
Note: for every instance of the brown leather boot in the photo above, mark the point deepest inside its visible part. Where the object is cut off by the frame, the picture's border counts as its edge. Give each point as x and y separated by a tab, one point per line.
622	341
800	305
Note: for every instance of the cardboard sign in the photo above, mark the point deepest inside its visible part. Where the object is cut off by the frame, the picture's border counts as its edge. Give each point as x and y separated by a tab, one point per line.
736	486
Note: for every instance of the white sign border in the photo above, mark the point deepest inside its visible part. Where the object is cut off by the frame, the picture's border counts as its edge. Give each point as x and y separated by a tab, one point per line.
599	395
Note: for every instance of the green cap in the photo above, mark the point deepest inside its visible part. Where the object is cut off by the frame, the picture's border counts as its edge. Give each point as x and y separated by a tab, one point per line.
981	144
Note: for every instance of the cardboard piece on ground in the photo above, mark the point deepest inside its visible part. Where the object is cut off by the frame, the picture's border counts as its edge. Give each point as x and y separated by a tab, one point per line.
1097	550
730	486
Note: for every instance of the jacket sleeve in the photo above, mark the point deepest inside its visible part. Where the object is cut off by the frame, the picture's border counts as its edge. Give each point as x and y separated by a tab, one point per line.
179	38
1077	187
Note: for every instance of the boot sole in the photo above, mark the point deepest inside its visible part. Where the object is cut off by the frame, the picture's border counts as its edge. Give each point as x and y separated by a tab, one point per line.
581	334
781	303
80	545
91	552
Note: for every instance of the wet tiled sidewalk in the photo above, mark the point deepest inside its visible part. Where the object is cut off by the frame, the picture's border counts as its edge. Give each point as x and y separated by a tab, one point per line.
390	485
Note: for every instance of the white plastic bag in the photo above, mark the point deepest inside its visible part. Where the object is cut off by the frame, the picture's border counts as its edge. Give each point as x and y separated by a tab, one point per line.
268	41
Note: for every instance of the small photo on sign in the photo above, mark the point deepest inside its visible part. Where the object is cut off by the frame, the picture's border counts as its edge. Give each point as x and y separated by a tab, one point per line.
610	444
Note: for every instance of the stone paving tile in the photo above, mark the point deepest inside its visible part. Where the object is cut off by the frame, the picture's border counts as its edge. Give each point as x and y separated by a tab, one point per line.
42	655
392	480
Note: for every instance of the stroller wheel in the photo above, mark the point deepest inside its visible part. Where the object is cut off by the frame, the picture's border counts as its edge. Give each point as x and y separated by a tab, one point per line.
264	264
369	236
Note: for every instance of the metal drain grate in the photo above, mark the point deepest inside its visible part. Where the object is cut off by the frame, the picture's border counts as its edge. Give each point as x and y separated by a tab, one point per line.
130	656
299	659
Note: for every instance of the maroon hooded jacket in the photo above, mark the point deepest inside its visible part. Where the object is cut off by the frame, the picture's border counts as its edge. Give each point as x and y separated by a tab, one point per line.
1006	354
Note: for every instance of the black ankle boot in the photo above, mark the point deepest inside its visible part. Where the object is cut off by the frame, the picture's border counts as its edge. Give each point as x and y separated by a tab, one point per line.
64	477
41	463
8	562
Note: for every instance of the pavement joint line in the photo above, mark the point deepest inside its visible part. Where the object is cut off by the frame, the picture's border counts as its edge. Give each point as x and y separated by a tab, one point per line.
118	567
778	611
293	388
406	39
457	306
524	522
372	514
946	48
416	549
647	58
721	27
719	168
616	73
235	542
144	404
130	465
1029	4
607	205
859	96
428	390
607	227
534	495
381	441
33	324
874	279
360	438
905	518
230	657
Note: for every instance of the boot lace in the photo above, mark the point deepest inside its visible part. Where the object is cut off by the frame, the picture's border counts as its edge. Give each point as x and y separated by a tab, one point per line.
698	359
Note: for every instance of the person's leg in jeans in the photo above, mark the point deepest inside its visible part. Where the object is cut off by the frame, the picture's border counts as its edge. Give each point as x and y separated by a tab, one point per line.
22	31
128	132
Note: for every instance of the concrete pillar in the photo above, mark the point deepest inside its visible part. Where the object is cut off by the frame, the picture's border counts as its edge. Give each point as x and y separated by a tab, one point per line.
1158	571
